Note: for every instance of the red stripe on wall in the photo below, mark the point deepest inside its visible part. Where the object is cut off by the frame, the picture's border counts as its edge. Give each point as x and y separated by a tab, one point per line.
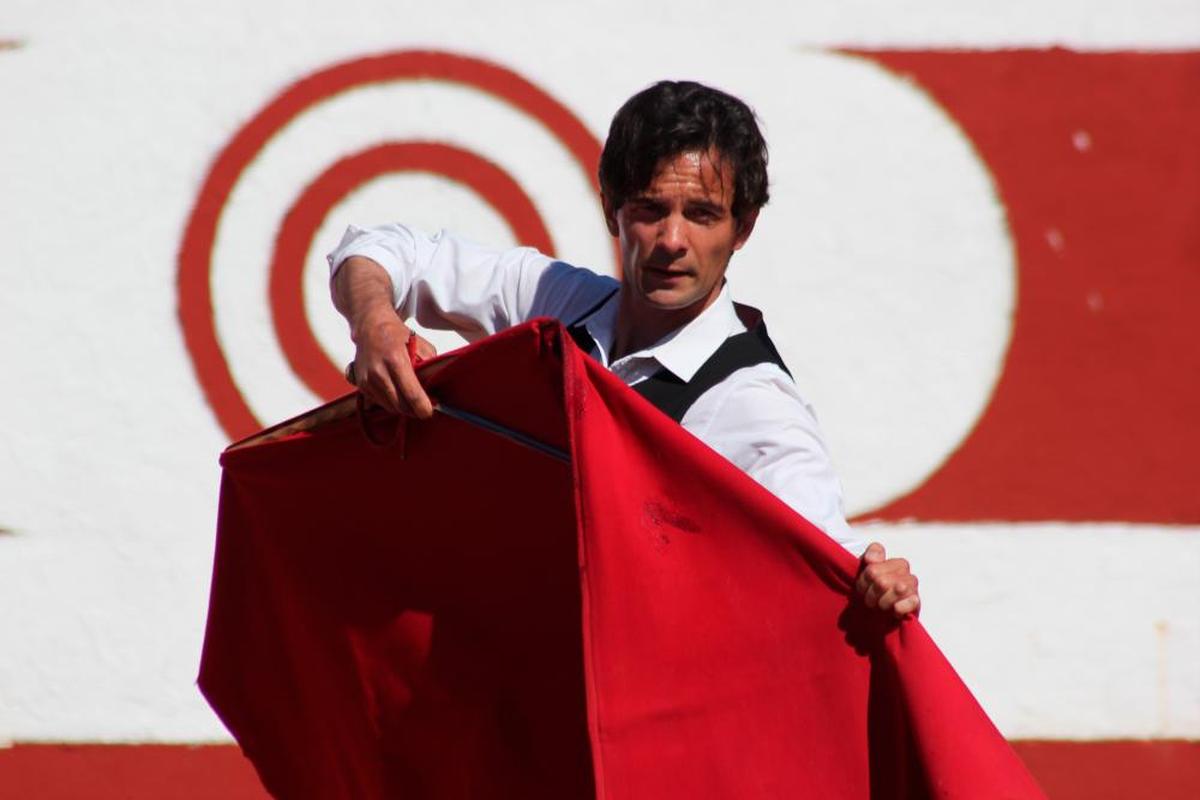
1161	769
1123	770
127	772
1096	161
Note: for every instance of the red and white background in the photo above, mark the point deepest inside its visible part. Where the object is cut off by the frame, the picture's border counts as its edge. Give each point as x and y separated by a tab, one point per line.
981	259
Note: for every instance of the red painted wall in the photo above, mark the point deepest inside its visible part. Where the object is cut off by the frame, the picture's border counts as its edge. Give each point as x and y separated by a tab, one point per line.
1163	770
1096	160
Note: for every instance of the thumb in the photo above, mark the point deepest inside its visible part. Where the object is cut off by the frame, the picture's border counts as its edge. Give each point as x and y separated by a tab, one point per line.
874	553
423	348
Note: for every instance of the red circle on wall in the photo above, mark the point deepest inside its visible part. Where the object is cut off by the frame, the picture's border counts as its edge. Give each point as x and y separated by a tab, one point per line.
195	253
304	354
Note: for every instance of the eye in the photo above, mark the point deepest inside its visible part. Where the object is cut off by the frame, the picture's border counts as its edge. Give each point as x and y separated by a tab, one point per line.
644	210
703	215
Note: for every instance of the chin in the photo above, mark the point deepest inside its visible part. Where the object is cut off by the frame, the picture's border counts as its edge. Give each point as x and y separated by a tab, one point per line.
669	301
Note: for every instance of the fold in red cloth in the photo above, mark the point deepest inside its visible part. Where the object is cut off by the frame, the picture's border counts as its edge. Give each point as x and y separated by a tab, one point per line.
454	615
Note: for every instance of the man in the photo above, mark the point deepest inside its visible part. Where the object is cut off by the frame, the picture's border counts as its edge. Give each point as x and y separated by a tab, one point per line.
683	177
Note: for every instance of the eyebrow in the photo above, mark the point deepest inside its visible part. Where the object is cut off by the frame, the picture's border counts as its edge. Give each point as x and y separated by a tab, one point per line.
650	200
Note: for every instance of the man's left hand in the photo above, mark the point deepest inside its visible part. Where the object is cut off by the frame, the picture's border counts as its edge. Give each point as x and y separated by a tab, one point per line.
886	583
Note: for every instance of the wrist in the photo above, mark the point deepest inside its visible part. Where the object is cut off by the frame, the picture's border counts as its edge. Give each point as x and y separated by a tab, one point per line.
371	318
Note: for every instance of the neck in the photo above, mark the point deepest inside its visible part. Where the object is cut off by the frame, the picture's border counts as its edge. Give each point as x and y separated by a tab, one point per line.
638	326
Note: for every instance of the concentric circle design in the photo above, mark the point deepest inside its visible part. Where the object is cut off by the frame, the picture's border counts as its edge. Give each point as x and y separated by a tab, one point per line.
491	183
494	185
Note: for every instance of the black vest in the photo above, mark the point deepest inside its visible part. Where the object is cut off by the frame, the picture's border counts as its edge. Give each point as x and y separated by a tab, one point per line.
674	396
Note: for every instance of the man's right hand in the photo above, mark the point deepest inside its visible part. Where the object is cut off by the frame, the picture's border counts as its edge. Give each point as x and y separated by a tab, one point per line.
383	371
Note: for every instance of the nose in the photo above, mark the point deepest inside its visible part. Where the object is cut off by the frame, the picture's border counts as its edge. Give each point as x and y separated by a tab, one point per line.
672	235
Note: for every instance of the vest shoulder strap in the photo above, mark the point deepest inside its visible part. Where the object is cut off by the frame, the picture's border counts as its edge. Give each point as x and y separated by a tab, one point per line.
674	396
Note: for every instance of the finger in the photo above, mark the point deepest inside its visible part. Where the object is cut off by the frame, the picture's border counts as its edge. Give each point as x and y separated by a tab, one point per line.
413	398
378	387
877	580
869	569
872	583
902	593
895	592
864	582
424	348
880	594
870	596
906	606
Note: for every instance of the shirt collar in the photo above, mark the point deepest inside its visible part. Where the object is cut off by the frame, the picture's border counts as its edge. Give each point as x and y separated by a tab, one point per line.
682	351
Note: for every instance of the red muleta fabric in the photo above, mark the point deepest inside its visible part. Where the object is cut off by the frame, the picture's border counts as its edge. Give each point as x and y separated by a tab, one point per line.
454	615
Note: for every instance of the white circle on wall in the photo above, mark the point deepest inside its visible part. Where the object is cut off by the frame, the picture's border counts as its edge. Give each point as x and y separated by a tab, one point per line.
885	269
444	204
397	111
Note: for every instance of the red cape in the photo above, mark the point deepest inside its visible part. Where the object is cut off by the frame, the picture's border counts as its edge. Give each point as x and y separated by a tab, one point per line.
454	615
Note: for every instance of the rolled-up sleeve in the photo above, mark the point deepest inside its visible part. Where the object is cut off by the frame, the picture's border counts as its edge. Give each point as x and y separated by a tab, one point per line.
447	282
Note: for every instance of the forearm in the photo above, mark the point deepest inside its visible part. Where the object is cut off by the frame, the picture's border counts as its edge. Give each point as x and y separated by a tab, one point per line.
362	293
382	369
448	283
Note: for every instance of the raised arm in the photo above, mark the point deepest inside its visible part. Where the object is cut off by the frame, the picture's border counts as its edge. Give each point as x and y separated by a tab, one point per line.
383	276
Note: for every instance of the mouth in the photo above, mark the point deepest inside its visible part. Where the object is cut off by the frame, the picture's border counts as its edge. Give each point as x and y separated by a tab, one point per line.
667	272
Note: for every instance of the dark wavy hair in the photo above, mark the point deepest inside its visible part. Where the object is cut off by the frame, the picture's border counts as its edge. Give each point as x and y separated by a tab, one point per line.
673	117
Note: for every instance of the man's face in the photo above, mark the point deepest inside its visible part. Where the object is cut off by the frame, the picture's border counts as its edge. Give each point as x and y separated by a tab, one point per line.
678	234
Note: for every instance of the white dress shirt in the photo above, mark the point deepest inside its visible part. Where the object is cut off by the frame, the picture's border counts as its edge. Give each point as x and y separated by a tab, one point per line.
756	417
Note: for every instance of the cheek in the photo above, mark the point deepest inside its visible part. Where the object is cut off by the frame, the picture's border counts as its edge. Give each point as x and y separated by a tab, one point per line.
629	254
634	243
722	248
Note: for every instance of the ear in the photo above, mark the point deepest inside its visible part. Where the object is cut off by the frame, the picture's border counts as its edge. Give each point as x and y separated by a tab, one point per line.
745	226
610	215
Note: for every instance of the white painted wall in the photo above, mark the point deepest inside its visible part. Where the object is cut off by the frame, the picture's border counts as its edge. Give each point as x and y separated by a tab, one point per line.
112	112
